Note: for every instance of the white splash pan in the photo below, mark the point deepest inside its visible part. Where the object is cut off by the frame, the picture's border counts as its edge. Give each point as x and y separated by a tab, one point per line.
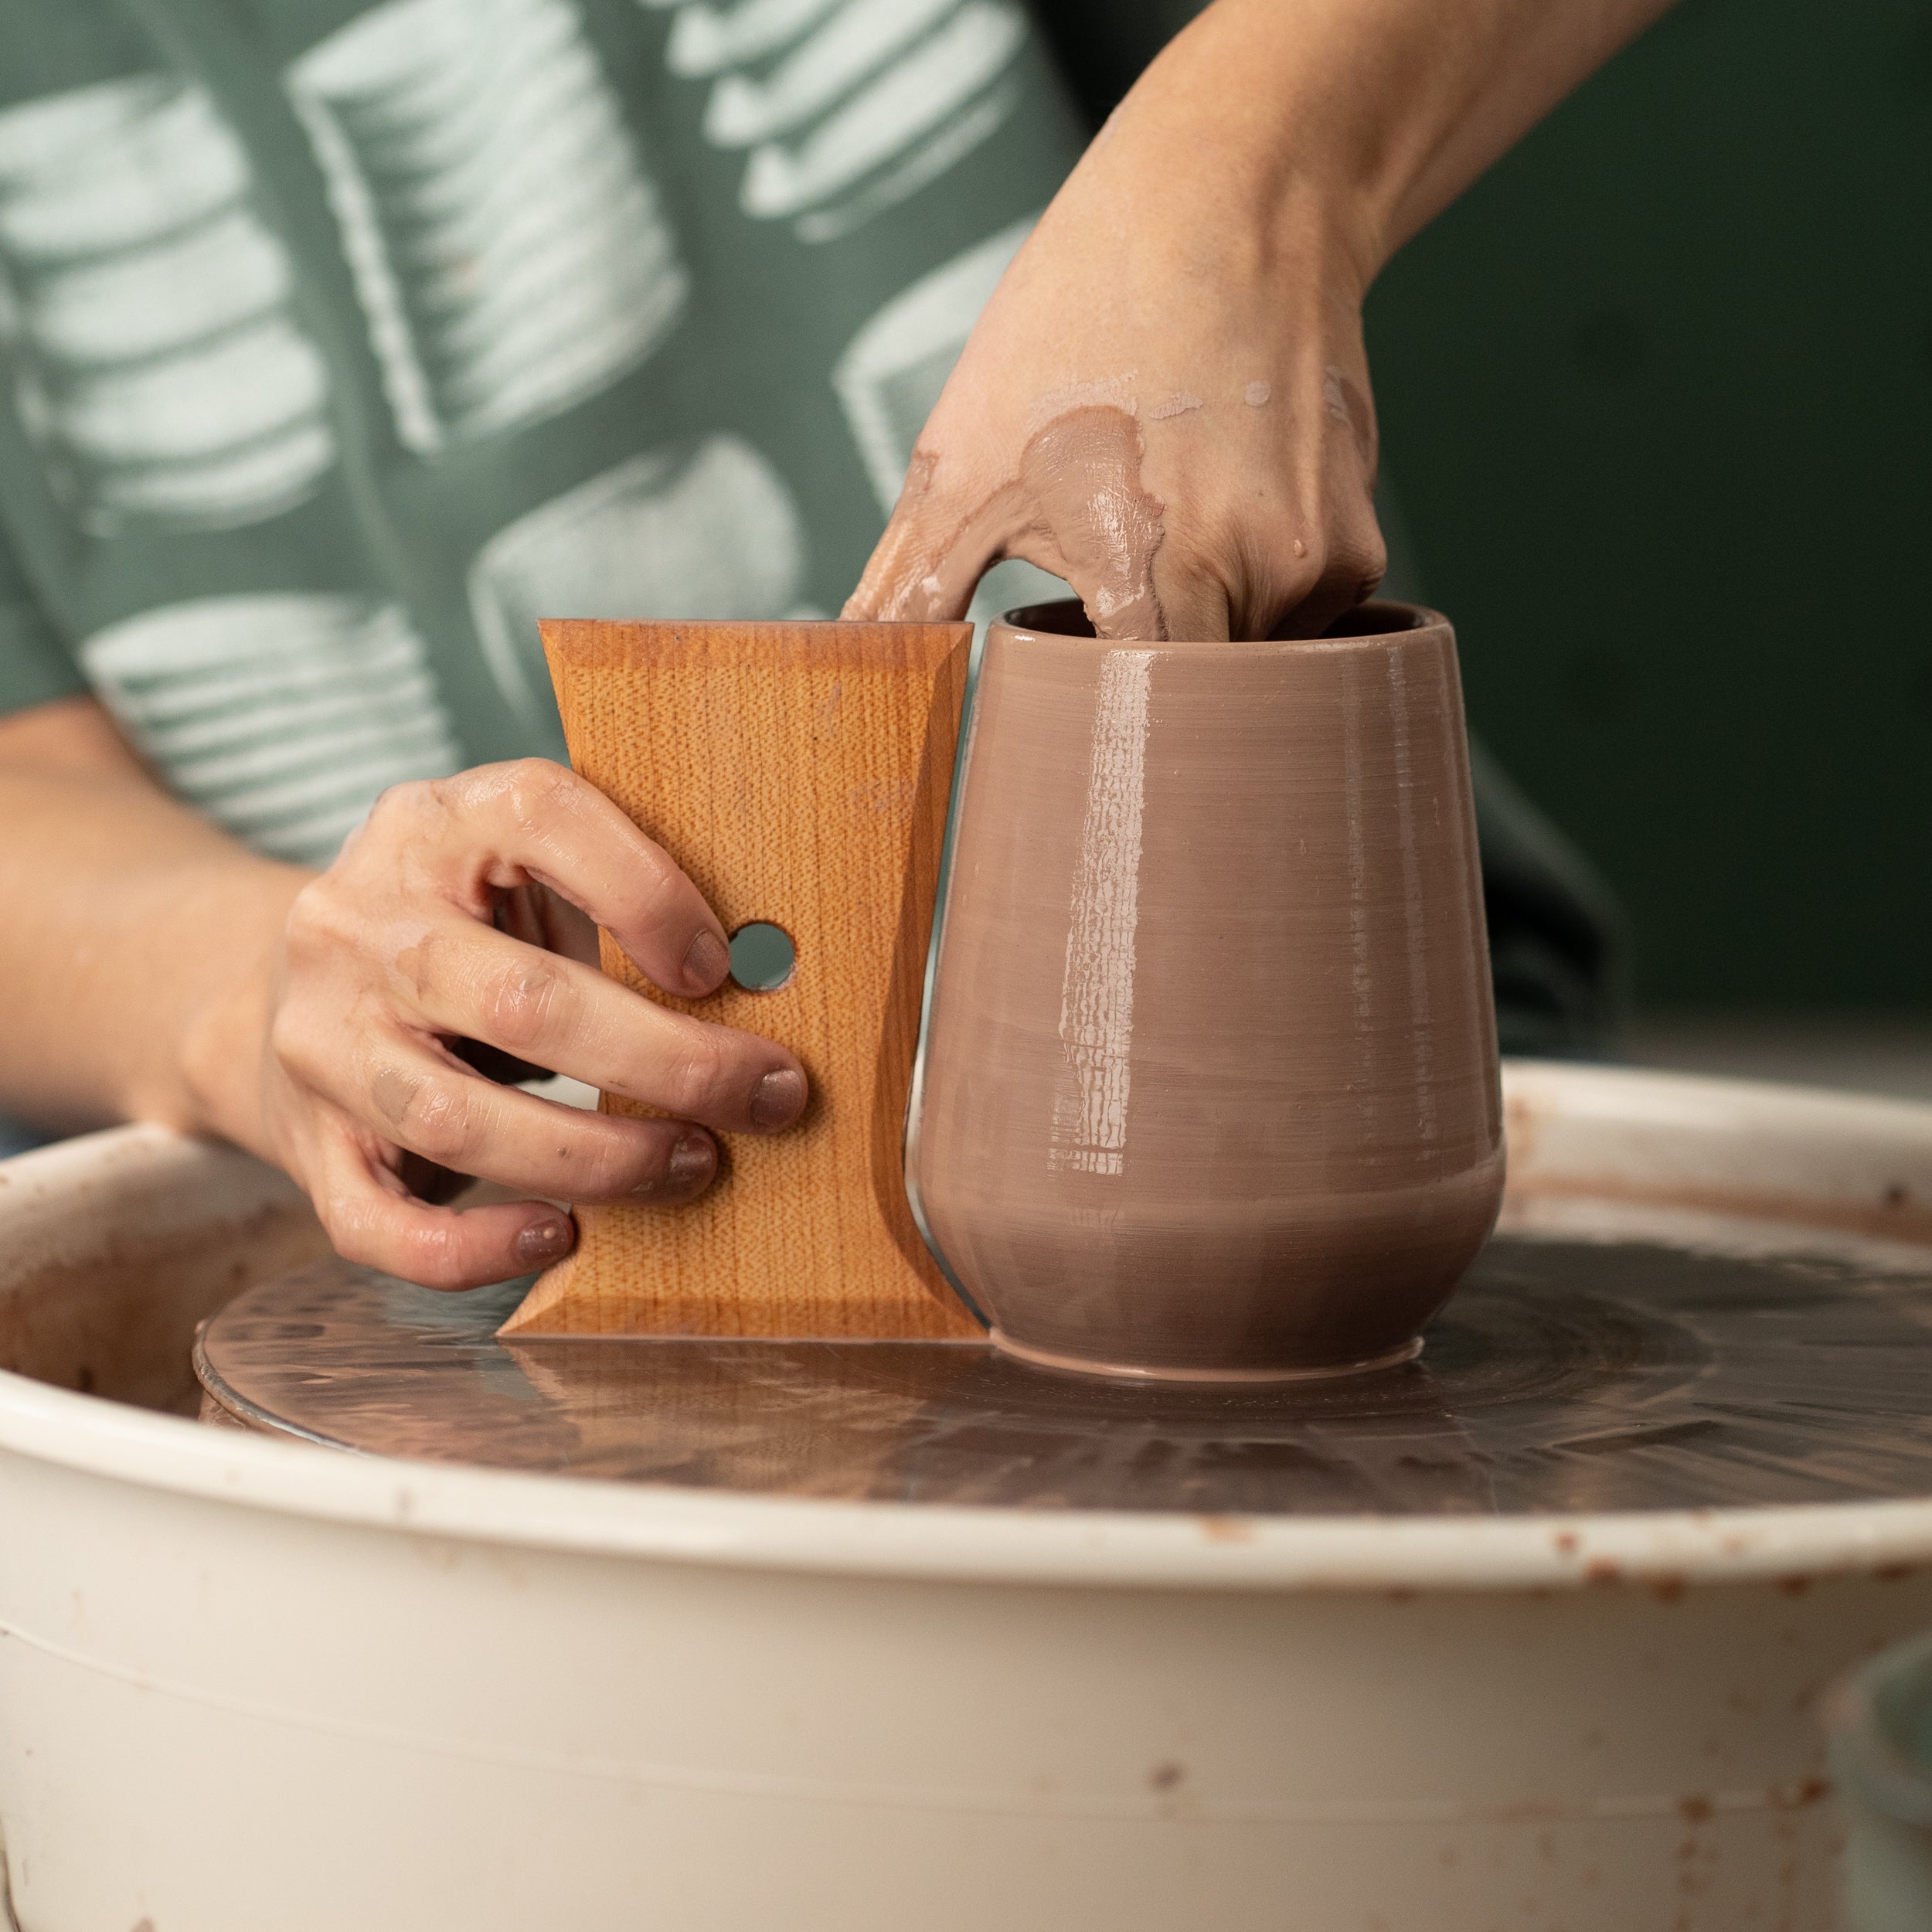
246	1683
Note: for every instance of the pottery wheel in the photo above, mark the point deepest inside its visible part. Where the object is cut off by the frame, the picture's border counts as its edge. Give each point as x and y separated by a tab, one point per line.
1598	1357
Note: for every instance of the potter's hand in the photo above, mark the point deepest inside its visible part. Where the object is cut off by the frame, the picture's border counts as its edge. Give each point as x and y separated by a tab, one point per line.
1171	417
463	913
1166	401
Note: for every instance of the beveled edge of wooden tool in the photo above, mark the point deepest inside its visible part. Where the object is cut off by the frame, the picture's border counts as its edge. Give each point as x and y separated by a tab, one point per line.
574	645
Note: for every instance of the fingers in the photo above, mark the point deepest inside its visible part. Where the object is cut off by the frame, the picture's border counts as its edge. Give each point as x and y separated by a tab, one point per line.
414	1098
1284	557
1348	574
371	1219
927	564
475	984
1335	556
504	826
1304	552
1193	601
446	972
1342	568
904	583
1291	579
461	918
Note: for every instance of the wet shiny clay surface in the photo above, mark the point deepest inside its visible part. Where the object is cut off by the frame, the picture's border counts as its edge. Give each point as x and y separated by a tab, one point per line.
1621	1357
1210	1084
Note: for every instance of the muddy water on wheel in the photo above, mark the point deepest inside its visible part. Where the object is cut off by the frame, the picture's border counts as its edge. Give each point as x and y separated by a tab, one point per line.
1599	1357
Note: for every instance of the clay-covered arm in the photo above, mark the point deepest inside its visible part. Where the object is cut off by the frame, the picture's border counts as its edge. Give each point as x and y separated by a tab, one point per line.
1167	401
152	969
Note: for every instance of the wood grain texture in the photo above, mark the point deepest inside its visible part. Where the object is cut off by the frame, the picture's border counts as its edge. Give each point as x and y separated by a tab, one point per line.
799	774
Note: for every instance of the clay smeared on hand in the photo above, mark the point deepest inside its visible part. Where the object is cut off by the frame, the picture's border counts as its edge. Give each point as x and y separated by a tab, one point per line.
1080	479
1077	507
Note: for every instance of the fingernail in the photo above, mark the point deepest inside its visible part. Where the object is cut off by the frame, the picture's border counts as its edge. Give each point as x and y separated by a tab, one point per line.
544	1241
707	962
778	1099
692	1161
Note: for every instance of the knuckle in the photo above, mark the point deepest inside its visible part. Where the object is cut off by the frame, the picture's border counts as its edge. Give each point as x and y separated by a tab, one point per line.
1310	558
352	1231
398	811
320	920
426	1249
295	1043
917	494
1357	559
351	1240
605	1168
406	799
659	888
535	789
696	1076
1292	575
522	1005
430	1251
435	1118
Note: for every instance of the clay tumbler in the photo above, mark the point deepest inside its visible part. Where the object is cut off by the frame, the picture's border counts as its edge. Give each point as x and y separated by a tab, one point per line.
1210	1088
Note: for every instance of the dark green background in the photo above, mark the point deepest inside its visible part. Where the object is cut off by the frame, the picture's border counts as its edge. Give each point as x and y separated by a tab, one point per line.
1657	398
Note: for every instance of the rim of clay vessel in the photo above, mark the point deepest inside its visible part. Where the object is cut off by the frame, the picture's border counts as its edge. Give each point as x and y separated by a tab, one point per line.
1379	620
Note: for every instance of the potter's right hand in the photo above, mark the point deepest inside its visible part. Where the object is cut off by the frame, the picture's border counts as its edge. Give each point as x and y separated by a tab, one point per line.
1166	401
463	914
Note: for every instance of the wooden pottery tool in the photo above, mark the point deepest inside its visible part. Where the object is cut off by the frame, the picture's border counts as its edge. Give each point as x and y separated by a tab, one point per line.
799	773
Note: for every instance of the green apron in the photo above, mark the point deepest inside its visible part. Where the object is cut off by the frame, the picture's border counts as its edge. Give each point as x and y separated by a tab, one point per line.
343	340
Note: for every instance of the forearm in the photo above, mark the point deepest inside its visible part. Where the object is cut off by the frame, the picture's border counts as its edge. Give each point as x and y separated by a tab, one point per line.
1379	112
137	937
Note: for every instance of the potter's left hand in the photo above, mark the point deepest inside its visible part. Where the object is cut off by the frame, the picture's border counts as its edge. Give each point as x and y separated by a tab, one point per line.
1166	402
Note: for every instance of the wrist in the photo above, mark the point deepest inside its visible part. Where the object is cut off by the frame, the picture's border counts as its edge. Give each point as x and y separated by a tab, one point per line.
1392	107
217	1083
1257	115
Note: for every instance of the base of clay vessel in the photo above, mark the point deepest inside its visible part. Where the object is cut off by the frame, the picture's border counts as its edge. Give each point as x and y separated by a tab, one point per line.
1134	1371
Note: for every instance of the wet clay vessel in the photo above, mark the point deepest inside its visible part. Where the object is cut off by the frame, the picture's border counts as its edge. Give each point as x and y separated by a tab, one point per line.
1210	1083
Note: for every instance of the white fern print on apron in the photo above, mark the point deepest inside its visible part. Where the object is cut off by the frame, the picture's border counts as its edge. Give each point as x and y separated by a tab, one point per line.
280	717
143	309
511	256
846	107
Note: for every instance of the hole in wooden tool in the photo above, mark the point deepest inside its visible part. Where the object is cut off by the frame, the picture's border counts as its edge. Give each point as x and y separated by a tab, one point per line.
763	957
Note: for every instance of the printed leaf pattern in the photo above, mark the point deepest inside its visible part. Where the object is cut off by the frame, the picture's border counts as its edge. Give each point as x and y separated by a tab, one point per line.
510	258
281	716
145	310
847	107
510	253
